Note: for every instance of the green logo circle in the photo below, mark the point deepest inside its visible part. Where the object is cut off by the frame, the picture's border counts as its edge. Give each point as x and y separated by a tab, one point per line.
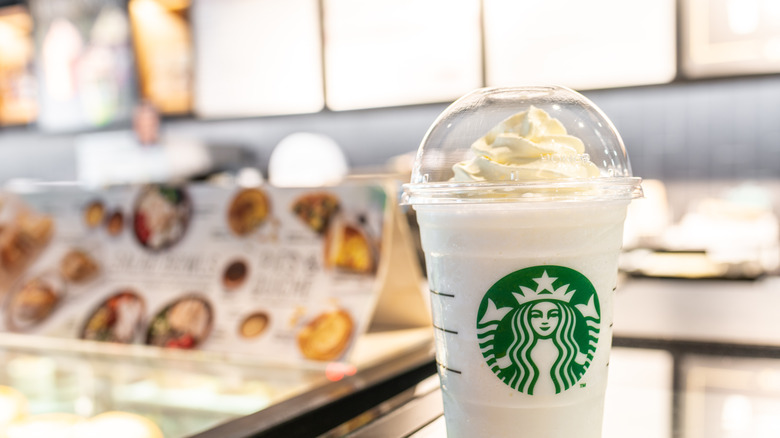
538	328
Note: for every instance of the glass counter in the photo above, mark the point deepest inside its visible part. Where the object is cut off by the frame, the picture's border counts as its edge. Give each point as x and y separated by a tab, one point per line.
191	392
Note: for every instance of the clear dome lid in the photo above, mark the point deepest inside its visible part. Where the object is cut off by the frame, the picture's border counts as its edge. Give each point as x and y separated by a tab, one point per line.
521	144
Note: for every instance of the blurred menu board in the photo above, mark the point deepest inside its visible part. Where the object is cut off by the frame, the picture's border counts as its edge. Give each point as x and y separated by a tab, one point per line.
728	37
279	275
84	63
582	45
163	49
17	83
257	57
400	52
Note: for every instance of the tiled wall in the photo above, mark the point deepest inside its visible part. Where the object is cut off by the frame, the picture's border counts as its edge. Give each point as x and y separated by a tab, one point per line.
726	129
722	129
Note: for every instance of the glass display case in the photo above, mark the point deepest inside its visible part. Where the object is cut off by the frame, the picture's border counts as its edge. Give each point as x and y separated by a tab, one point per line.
194	392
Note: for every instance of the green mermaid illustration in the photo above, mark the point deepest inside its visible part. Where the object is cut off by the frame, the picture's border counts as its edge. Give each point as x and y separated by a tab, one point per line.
538	328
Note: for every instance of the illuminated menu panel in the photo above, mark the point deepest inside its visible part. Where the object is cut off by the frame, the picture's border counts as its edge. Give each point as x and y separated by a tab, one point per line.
579	44
730	37
257	57
17	84
163	48
84	63
400	52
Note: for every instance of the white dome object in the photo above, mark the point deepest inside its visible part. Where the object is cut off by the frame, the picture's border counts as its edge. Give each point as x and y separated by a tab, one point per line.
249	177
305	159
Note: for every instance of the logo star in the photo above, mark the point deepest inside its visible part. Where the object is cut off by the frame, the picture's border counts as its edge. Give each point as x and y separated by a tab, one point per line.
545	283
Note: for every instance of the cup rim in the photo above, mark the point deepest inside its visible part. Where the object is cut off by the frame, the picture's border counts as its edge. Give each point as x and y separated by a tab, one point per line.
565	189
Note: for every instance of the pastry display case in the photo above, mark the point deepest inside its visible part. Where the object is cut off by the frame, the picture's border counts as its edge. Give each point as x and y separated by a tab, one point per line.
186	393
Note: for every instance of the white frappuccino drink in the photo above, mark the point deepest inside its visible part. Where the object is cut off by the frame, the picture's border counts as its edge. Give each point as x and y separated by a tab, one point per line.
521	232
522	297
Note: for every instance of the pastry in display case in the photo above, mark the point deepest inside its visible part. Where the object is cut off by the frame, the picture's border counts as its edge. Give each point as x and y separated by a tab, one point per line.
13	406
117	424
57	424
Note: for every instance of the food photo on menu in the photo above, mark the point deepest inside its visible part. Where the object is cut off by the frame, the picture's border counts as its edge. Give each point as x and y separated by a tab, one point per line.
118	319
161	216
348	245
316	209
326	337
24	234
78	266
235	274
248	210
254	325
183	324
33	302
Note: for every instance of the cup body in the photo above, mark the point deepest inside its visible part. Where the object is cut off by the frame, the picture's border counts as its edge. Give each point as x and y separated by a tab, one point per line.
522	298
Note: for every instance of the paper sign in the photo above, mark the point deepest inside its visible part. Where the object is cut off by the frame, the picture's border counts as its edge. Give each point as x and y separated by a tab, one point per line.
281	275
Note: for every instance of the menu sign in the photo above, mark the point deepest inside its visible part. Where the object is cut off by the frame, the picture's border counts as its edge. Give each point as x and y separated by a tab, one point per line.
84	63
282	275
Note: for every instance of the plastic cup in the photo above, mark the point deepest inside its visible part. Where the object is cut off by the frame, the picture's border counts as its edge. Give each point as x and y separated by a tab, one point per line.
522	268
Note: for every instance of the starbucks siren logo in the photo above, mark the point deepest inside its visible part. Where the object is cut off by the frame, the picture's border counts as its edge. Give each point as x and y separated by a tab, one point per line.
538	328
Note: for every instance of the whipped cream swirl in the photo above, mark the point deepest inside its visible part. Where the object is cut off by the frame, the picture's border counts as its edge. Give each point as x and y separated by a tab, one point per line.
530	145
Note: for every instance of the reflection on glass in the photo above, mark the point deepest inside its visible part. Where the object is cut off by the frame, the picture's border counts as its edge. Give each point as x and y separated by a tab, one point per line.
306	160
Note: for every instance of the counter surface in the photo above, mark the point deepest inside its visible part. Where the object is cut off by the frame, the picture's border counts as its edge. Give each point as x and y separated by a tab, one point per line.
723	311
692	359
